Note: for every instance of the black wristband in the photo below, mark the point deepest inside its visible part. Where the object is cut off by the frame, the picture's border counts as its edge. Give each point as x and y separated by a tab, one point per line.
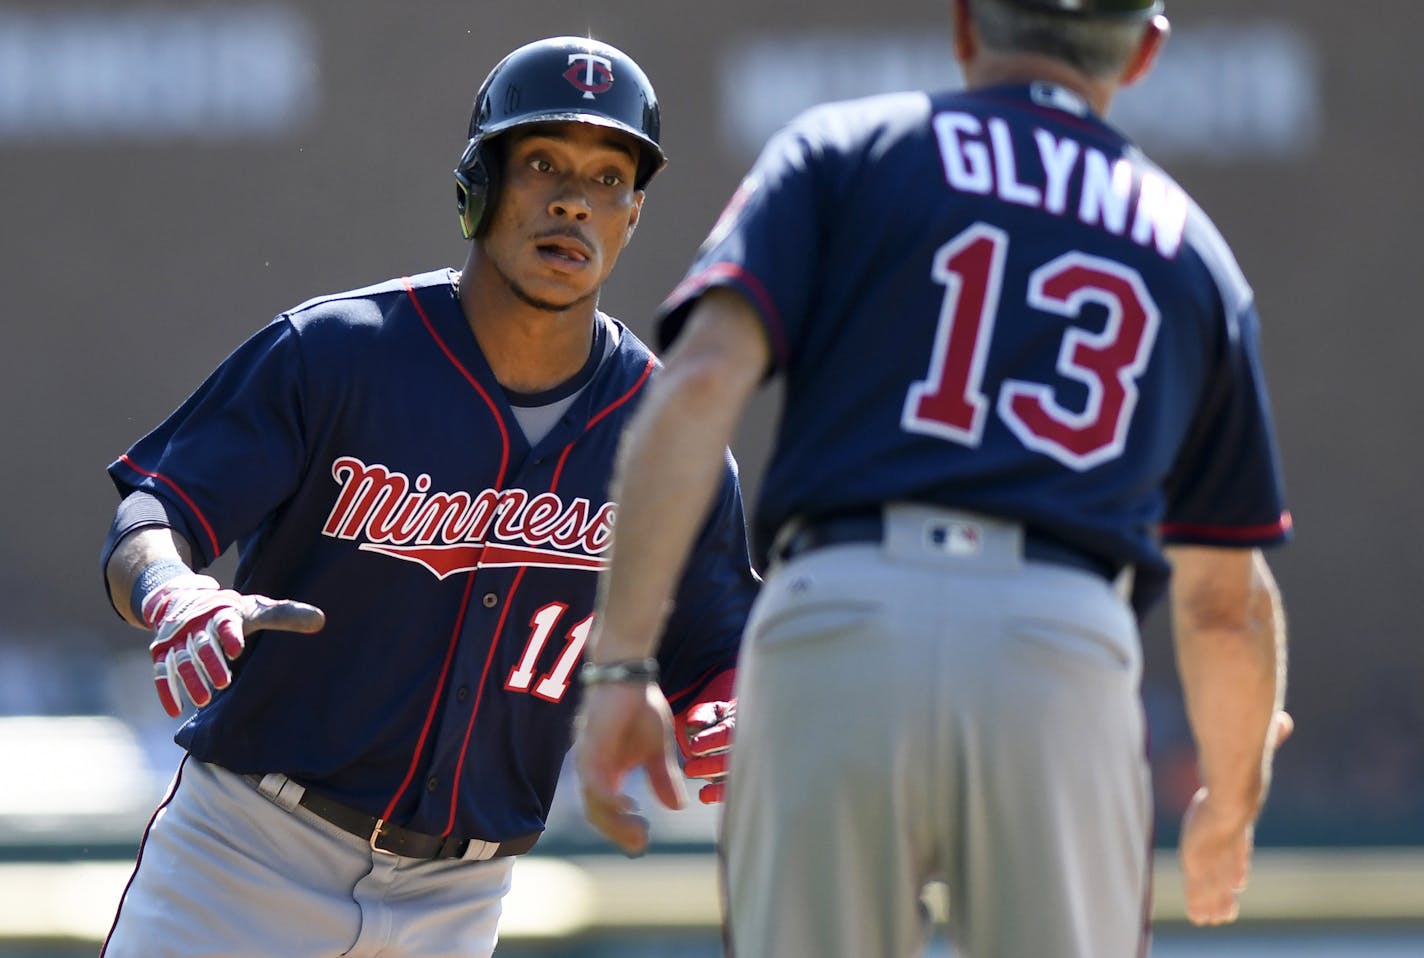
631	671
151	577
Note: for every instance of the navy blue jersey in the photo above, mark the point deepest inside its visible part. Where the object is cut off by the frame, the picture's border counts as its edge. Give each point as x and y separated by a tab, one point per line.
361	454
991	300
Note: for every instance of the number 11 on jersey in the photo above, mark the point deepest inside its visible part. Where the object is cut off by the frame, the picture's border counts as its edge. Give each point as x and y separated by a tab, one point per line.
553	685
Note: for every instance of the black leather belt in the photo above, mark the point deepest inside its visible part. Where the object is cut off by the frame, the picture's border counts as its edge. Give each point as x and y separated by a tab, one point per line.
804	535
391	839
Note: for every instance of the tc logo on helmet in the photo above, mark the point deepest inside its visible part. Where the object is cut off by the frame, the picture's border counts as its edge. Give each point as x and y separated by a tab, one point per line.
589	73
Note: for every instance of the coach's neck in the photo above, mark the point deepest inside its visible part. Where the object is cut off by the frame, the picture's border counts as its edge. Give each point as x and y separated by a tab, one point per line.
984	66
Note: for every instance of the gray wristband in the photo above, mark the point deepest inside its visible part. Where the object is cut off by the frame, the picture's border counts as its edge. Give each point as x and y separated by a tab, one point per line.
630	671
151	577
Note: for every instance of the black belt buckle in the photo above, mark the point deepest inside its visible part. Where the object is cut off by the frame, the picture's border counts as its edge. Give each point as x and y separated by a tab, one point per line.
374	840
388	839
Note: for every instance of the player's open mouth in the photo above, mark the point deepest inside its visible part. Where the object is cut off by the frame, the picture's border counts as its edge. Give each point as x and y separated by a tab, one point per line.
566	251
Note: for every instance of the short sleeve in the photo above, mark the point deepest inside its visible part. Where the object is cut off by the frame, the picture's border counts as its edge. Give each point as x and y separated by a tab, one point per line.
233	451
1226	489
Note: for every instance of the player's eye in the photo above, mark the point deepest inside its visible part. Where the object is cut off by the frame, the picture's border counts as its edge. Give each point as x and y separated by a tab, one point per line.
611	179
541	165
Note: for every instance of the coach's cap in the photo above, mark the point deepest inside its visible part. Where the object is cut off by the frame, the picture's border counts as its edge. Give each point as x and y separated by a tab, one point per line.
1119	9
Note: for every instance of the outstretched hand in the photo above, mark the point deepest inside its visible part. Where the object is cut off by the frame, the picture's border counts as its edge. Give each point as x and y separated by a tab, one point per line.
1216	846
199	627
621	727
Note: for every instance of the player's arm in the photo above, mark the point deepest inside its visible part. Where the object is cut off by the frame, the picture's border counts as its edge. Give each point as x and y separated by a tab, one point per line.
1229	634
670	466
198	626
135	552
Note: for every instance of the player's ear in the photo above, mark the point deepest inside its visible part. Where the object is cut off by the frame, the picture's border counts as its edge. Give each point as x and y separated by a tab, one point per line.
1154	37
634	212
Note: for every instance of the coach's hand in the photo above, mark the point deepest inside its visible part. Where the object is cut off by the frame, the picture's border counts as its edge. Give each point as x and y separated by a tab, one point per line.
199	627
1216	845
623	726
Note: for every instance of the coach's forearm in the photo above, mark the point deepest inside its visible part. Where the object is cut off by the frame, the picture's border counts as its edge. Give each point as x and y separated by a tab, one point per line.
1232	666
670	467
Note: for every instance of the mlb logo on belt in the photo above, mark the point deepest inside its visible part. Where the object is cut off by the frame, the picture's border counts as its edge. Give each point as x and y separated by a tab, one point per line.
956	538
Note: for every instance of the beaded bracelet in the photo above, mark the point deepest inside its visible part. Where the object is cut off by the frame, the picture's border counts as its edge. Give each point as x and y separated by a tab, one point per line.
639	671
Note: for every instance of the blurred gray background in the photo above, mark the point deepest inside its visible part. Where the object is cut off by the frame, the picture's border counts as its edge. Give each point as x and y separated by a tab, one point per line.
172	175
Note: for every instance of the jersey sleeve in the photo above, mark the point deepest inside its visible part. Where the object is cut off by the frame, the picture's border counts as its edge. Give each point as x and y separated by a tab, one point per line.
1226	489
713	600
232	451
766	245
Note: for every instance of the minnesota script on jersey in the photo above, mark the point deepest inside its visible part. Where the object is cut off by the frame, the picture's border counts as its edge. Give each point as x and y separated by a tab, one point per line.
1004	357
361	454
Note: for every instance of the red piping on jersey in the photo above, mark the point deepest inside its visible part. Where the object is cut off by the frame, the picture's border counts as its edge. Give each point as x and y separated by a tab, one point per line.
765	304
593	421
480	693
207	527
514	587
701	684
435	699
494	410
1232	533
173	790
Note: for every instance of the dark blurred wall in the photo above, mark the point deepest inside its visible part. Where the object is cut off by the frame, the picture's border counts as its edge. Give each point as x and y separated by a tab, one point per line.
173	175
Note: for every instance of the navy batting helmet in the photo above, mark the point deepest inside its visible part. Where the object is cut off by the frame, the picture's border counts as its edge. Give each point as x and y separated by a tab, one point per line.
1122	9
556	80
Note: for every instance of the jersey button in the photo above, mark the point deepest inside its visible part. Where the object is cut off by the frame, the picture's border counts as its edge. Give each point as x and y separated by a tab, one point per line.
432	783
461	694
491	600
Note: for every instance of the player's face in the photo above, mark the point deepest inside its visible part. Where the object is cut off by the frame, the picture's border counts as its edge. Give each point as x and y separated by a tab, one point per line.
566	209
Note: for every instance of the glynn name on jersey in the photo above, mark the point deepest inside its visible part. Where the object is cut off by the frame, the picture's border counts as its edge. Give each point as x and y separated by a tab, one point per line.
979	157
449	532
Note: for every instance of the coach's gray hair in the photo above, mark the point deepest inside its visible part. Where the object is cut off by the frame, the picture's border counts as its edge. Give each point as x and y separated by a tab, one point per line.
1098	47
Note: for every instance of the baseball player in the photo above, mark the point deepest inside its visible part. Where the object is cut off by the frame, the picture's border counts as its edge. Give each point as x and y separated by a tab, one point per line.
1019	364
418	472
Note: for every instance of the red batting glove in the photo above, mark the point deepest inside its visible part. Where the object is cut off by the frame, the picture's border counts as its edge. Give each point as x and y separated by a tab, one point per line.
704	732
199	627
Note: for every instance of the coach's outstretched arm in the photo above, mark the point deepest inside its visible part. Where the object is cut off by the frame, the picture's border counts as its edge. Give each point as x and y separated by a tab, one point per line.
1229	632
198	626
672	455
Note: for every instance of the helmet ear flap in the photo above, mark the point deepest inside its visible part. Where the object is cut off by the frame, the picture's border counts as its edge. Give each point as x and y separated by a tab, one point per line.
474	188
470	207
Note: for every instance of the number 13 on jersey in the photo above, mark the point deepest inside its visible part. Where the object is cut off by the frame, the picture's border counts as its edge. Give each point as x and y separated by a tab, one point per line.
950	402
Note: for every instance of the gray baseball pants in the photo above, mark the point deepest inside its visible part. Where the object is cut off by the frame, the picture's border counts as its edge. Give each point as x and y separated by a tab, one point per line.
931	707
225	871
